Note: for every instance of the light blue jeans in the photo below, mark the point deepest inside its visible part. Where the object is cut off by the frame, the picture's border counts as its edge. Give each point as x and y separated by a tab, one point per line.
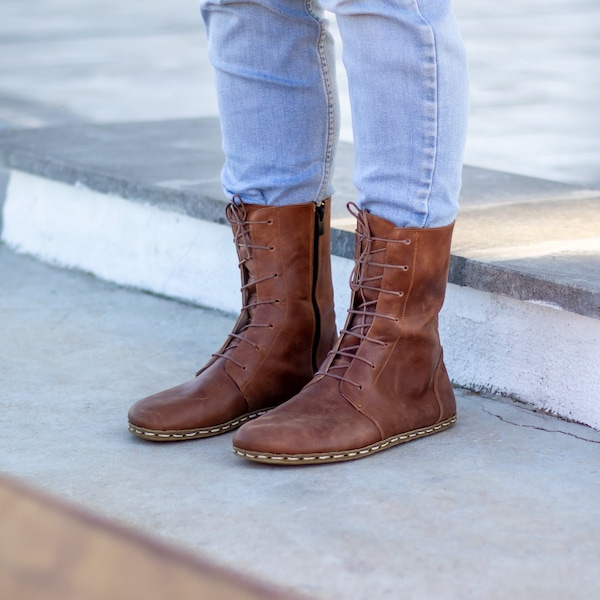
275	77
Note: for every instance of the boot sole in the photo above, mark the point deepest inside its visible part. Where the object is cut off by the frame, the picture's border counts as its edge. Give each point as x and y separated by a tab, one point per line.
175	435
330	457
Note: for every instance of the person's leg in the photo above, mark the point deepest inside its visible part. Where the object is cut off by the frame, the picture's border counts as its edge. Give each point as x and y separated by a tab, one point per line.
278	116
275	78
409	95
385	381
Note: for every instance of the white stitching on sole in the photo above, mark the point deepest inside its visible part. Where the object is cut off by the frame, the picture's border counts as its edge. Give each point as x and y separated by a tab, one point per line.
350	454
197	433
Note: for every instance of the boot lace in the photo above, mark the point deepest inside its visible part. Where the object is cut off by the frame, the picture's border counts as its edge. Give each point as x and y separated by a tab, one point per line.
237	217
366	289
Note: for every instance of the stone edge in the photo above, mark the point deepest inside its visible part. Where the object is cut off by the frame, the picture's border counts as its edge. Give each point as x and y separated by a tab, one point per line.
464	272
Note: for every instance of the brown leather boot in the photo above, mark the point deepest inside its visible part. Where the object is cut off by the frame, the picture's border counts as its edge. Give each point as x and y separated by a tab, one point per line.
385	382
284	331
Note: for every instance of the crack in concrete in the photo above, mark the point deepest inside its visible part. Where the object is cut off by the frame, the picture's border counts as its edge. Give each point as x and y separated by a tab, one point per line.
504	420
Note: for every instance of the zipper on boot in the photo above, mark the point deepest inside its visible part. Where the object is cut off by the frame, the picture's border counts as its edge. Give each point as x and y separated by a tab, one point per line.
318	232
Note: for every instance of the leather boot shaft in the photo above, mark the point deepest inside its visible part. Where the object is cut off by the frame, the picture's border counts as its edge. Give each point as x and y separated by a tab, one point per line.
285	328
399	285
287	323
384	382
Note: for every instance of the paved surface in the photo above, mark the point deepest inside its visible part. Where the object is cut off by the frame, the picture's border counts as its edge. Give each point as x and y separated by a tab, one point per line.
535	86
535	74
526	238
503	505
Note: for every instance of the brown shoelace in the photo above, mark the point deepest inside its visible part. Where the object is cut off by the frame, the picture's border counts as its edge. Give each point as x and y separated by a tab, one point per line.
236	215
362	313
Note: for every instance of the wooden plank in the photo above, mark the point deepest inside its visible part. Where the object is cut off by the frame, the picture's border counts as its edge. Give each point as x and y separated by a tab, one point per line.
51	551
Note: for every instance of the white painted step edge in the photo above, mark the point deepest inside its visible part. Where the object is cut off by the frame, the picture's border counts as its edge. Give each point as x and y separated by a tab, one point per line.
537	354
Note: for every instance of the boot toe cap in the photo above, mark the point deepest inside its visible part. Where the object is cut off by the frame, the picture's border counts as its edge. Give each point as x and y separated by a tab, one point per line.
297	430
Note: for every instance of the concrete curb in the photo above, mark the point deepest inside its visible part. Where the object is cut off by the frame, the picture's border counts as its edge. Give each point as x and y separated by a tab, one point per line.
518	333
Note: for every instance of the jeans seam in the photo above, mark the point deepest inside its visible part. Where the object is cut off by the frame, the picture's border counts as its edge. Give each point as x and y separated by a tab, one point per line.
431	153
329	98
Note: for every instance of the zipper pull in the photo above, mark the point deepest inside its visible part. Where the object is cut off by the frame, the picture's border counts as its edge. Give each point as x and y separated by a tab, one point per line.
320	217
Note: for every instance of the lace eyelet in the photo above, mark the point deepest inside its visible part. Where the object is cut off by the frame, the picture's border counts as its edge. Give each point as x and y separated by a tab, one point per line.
272	248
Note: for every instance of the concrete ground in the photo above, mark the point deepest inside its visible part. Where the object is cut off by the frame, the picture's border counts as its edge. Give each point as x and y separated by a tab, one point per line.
505	504
534	65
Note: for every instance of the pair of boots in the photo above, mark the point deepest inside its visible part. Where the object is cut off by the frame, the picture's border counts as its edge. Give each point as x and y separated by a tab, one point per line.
381	383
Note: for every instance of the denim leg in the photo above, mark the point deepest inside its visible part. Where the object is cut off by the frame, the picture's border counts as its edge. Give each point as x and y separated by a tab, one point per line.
275	78
409	97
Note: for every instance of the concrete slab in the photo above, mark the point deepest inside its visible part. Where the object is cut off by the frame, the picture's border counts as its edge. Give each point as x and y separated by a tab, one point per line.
526	238
503	505
535	86
534	74
102	198
174	164
102	61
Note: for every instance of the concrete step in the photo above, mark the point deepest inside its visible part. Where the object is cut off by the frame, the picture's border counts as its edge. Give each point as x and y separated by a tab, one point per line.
140	204
502	505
